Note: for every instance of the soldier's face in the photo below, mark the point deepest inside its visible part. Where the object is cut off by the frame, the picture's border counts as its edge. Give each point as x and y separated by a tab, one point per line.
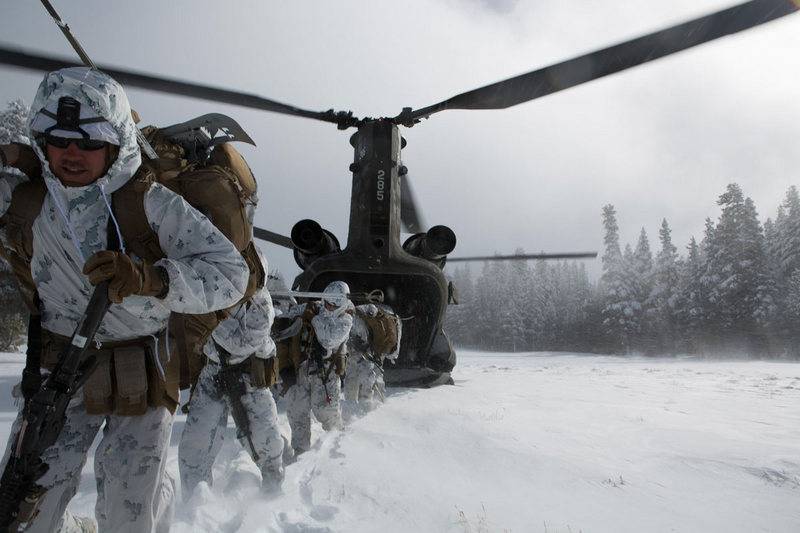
76	167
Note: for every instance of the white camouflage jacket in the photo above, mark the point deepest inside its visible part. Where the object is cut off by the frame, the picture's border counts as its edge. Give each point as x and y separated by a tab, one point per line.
206	272
246	331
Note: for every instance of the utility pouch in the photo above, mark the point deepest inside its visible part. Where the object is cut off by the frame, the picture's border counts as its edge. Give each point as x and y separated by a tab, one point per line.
272	368
258	372
340	363
98	391
263	372
282	353
130	371
191	333
164	374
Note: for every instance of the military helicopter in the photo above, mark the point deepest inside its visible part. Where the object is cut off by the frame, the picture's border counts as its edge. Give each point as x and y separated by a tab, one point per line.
410	274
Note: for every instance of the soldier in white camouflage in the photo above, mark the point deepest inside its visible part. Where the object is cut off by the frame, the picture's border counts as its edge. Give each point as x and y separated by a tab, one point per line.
375	337
241	346
313	381
83	151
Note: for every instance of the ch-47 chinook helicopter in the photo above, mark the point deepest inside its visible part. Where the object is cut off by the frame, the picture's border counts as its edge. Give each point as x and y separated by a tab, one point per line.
410	274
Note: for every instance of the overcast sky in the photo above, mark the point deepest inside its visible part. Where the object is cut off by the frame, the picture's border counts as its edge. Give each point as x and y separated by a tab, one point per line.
658	141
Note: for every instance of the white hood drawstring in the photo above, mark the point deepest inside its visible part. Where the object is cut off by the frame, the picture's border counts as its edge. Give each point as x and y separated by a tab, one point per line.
102	183
157	358
62	211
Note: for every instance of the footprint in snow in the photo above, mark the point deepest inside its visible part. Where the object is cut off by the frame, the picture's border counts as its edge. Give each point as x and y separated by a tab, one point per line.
337	444
289	526
319	512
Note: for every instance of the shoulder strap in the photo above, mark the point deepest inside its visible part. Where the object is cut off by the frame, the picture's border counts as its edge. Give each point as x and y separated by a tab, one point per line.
26	205
127	203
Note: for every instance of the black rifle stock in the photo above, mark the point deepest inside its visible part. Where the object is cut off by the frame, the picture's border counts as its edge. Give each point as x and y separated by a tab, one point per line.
43	418
230	381
316	352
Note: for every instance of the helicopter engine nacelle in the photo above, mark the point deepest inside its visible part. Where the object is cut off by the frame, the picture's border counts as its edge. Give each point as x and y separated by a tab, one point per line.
434	245
311	241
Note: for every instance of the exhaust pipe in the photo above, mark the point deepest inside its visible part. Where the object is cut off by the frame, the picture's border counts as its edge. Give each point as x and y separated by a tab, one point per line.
311	241
433	245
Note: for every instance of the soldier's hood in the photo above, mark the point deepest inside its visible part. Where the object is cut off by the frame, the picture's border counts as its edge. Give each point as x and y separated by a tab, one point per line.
99	95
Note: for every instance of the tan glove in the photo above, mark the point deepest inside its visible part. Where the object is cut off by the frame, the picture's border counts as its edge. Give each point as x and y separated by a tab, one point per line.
126	276
21	157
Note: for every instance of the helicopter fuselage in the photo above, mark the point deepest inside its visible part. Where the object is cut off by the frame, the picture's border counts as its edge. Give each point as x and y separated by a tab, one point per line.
374	258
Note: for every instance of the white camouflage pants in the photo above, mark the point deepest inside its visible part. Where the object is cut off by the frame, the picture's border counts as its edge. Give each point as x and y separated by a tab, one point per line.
205	428
133	493
307	396
363	379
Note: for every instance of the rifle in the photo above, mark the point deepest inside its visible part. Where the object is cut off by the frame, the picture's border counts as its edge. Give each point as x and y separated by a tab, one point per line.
229	381
317	352
43	418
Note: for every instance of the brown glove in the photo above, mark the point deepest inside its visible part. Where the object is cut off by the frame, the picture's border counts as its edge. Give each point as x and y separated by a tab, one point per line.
126	276
21	157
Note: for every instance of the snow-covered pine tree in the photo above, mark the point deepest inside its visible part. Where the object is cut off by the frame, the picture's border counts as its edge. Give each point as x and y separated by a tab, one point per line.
584	329
618	300
772	246
788	233
663	299
641	281
13	128
709	318
459	318
783	255
490	291
743	293
690	316
14	123
543	307
516	309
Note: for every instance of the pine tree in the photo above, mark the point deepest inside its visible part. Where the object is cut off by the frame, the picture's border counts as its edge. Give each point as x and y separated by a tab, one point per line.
641	282
788	233
743	292
13	128
14	123
662	303
619	305
459	321
692	299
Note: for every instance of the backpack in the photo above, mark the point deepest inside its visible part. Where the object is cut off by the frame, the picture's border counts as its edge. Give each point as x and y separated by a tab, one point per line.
292	351
383	330
220	185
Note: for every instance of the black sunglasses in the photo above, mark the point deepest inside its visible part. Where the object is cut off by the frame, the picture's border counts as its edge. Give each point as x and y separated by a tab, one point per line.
82	144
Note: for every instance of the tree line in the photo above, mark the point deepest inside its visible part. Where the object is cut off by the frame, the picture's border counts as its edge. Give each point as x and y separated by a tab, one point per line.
736	292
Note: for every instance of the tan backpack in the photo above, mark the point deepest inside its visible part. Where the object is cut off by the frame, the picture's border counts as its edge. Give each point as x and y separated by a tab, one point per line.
383	331
221	188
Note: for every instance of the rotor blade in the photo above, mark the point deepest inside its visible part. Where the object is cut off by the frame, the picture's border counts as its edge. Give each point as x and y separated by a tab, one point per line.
525	257
410	215
274	238
609	60
32	61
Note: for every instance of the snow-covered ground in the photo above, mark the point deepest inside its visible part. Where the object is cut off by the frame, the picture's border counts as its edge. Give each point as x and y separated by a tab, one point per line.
531	442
